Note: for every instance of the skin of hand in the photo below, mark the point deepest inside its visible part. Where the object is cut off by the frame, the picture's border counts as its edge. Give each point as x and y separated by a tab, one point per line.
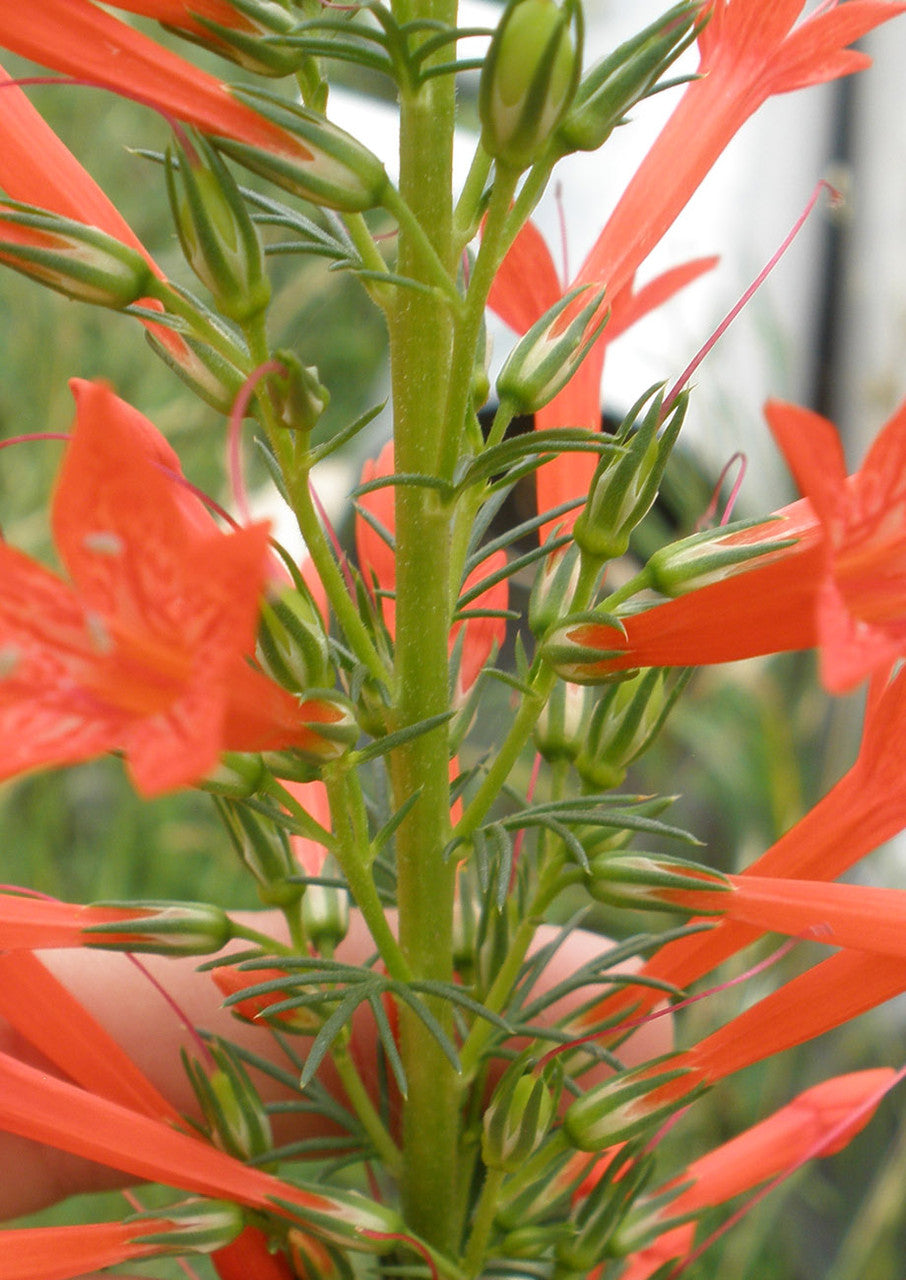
120	996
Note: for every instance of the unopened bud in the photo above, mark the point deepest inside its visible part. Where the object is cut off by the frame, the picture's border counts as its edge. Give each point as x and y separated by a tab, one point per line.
325	911
264	849
78	261
339	172
297	394
216	231
623	1106
528	80
163	928
292	645
554	589
549	353
625	485
560	729
312	1259
237	776
230	1104
516	1120
625	721
596	1217
614	85
205	371
254	45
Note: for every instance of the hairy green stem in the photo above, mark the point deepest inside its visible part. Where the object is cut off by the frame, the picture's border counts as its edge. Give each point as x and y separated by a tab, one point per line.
420	329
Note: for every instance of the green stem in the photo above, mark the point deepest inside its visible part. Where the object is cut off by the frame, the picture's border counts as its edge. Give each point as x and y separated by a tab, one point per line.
467	331
483	1222
420	329
295	466
364	1108
352	852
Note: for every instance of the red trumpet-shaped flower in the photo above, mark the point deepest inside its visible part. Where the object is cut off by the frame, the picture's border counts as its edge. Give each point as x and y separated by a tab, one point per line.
865	808
66	1253
79	39
771	1149
750	51
144	650
840	586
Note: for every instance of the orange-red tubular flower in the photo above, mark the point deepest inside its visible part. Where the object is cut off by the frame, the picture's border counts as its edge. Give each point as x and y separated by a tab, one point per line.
861	917
36	1106
146	651
182	13
865	808
861	606
750	51
831	993
767	1150
49	1017
65	1253
841	586
79	39
525	287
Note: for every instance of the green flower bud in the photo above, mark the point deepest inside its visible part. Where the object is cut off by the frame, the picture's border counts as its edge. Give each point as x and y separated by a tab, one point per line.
292	645
264	849
325	911
619	1108
613	86
230	1104
560	728
554	589
216	231
163	928
516	1120
338	173
237	776
547	355
597	1216
77	261
255	48
528	79
625	721
297	394
625	485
